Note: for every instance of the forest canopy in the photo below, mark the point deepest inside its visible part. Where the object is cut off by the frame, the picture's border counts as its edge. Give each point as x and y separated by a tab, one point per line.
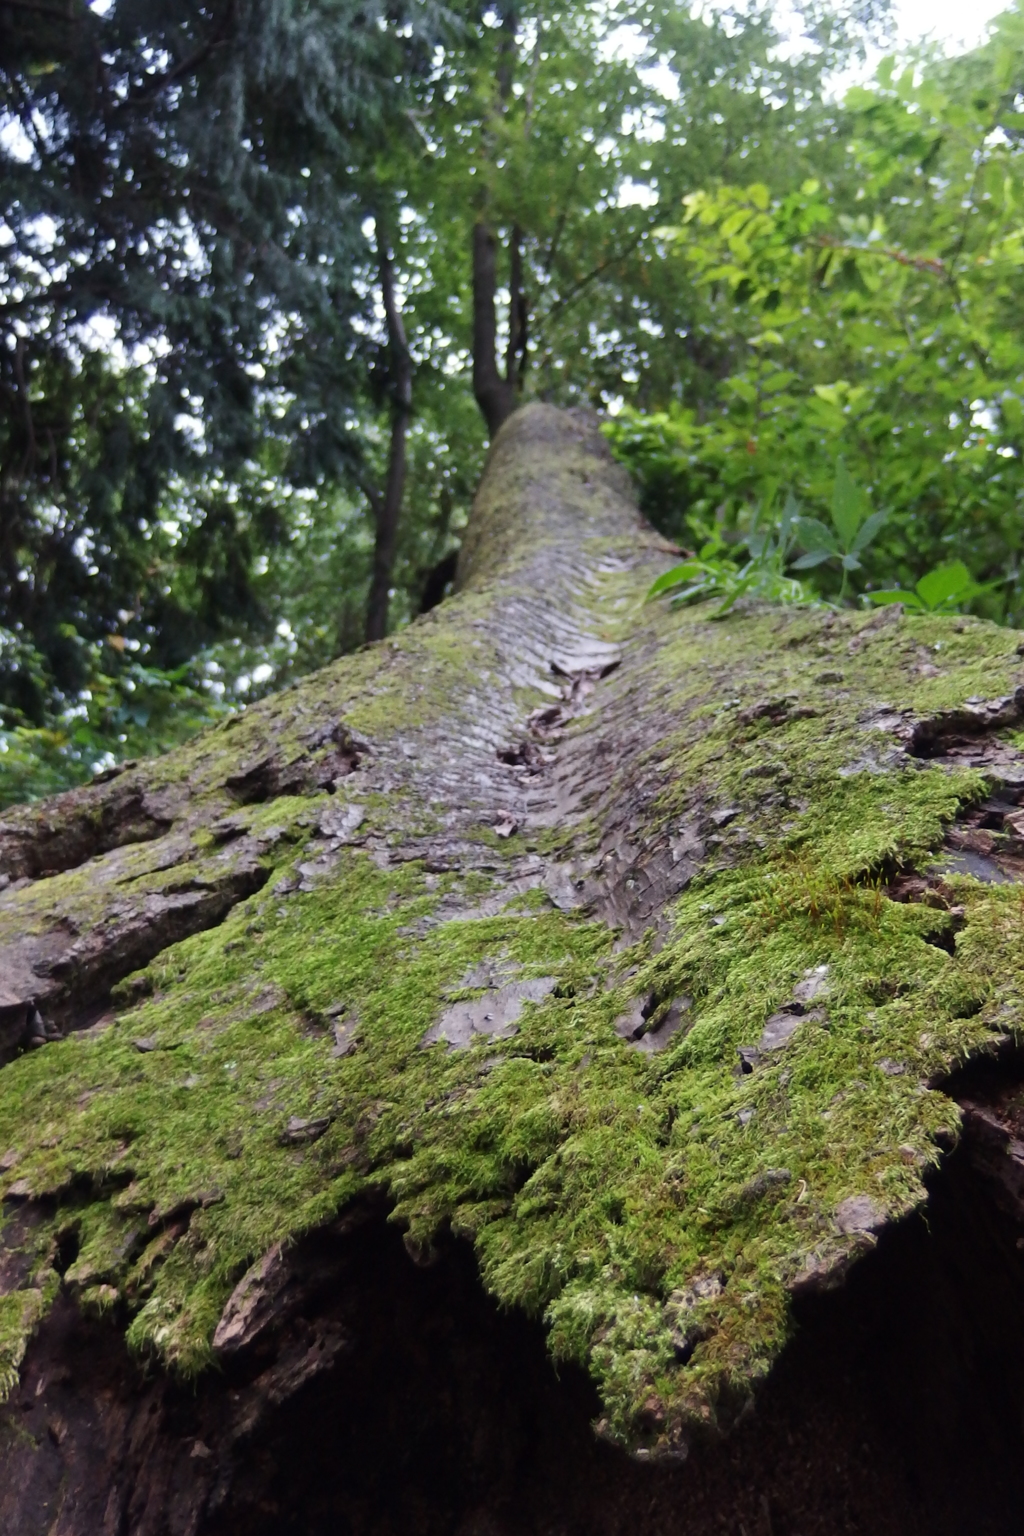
271	273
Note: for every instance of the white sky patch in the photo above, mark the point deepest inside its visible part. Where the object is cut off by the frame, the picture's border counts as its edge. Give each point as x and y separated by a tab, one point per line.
14	140
951	22
637	194
661	77
626	43
191	429
44	231
956	26
953	25
644	125
98	332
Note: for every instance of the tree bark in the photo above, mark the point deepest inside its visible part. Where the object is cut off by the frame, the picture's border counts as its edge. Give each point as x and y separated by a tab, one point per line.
496	394
387	505
518	313
638	966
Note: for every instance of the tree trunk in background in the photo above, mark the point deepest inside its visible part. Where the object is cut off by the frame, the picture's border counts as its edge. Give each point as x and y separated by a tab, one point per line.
497	394
515	351
563	942
387	505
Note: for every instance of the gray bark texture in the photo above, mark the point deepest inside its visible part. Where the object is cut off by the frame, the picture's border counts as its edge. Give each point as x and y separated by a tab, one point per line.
555	1070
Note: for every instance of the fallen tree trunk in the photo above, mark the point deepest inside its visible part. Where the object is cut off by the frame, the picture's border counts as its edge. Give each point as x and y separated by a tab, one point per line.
657	959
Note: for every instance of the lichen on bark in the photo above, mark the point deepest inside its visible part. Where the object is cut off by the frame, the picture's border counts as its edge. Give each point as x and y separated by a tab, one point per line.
583	928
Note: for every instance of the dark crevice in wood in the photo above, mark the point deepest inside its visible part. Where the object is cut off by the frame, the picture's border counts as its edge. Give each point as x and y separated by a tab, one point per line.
896	1408
967	731
64	980
76	827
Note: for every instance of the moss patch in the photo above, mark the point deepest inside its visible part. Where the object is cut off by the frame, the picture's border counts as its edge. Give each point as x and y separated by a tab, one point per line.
655	1210
600	1186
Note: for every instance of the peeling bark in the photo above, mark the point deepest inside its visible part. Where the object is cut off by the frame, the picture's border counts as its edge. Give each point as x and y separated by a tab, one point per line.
637	950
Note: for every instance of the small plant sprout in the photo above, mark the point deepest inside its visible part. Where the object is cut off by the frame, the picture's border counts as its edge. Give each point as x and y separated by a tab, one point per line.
854	526
716	573
944	590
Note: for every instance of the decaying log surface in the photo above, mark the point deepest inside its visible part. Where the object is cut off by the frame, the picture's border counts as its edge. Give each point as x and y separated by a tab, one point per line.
656	959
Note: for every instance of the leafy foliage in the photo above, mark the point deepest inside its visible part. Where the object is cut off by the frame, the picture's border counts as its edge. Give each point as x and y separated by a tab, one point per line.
775	294
944	590
854	527
870	317
713	574
180	257
141	710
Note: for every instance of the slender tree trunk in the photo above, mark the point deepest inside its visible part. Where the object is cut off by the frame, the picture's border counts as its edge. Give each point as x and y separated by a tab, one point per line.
637	965
387	506
440	574
495	394
498	394
516	350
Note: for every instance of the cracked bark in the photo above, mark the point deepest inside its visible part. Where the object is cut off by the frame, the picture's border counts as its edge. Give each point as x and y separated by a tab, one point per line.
354	1390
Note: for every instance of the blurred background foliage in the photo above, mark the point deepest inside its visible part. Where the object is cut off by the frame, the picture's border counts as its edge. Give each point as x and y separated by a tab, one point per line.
876	318
753	273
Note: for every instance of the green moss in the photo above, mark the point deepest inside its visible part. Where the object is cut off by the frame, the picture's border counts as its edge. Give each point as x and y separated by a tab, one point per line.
593	1187
20	1311
655	1210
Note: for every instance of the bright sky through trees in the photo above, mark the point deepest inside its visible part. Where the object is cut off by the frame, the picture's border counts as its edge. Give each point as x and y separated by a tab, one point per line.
951	22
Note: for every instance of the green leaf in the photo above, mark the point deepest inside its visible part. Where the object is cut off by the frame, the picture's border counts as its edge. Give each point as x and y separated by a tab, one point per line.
868	530
847	505
788	521
696	589
945	585
814	535
674	578
811	559
734	593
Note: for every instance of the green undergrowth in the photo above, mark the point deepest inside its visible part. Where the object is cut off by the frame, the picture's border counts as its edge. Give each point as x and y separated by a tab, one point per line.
654	1210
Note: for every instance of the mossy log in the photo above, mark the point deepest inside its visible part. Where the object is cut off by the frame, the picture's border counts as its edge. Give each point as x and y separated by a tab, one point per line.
656	962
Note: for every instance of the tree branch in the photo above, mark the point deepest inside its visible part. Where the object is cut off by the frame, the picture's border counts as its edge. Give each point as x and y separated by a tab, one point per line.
595	272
